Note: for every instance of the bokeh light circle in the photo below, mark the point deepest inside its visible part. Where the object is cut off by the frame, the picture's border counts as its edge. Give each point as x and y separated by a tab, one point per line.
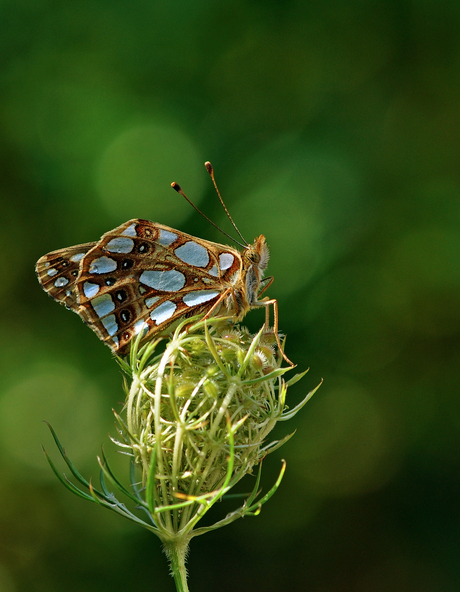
347	444
60	395
136	170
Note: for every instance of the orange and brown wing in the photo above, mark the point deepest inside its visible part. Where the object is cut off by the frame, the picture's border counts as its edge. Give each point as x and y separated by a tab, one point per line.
58	271
143	276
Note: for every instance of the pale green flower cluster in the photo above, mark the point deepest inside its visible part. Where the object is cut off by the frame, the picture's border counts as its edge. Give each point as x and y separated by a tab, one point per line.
200	404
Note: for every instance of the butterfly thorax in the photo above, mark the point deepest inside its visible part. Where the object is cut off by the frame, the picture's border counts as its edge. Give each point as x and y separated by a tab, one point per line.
246	281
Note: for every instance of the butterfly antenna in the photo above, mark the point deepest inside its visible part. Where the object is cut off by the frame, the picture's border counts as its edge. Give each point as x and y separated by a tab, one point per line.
210	170
178	188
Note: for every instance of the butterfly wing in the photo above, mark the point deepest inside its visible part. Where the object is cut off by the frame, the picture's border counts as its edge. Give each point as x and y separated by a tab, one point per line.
57	272
144	276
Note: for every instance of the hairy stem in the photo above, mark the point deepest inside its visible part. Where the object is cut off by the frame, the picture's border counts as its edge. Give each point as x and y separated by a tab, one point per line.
176	552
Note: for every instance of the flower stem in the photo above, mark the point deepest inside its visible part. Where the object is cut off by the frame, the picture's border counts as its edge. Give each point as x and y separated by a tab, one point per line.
176	552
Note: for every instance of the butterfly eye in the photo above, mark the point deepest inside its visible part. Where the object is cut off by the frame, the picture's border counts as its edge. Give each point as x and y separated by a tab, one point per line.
127	264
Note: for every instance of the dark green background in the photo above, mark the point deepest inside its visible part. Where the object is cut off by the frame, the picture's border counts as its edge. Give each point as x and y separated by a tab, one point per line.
334	130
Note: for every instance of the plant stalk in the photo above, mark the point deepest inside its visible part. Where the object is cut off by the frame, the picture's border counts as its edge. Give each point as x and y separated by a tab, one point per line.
176	552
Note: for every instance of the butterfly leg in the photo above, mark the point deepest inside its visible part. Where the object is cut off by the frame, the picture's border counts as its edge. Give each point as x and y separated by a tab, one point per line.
265	284
266	302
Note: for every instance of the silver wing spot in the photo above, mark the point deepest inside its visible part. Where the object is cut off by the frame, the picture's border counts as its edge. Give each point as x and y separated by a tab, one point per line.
120	245
193	254
90	290
102	265
166	281
199	297
163	312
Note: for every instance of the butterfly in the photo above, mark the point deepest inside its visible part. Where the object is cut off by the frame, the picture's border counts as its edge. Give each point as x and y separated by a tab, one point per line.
143	276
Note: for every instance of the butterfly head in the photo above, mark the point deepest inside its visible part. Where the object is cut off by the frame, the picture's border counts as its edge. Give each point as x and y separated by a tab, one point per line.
258	254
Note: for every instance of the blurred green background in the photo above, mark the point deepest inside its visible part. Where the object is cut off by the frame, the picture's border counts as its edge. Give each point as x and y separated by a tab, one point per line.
334	129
